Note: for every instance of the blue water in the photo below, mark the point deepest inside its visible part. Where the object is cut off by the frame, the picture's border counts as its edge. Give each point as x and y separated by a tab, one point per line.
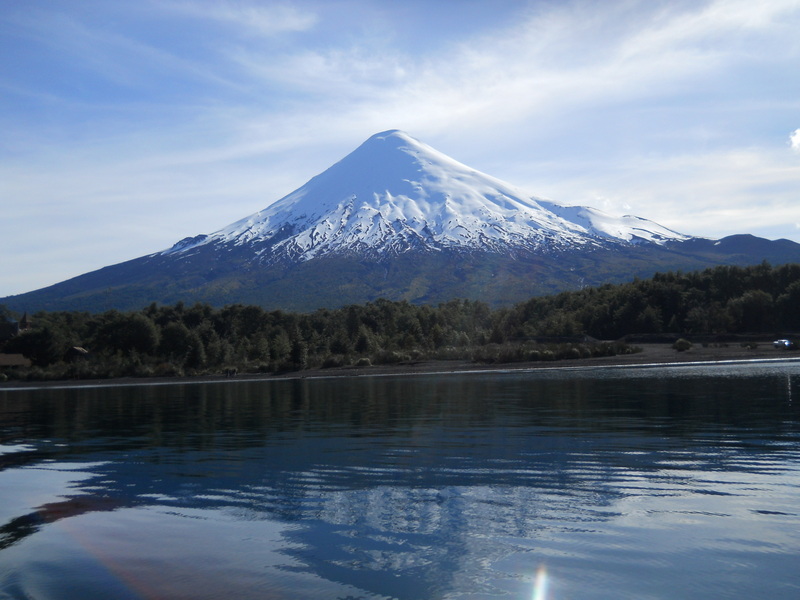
637	483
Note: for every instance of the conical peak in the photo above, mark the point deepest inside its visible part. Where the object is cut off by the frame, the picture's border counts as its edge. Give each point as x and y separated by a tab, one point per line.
388	143
382	162
396	156
389	133
391	136
395	192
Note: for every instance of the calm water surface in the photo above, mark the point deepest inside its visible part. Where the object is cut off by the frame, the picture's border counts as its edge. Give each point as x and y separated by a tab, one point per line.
620	483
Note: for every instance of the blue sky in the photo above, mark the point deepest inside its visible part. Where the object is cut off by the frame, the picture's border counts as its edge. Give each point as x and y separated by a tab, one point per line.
128	125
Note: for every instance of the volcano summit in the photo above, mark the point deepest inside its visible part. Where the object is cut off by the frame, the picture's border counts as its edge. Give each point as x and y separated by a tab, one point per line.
397	219
395	194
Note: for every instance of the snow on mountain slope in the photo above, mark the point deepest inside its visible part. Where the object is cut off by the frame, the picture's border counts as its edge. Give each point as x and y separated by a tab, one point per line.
394	193
628	228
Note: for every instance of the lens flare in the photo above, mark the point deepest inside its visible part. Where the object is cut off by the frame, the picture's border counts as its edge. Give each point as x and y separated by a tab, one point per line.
540	585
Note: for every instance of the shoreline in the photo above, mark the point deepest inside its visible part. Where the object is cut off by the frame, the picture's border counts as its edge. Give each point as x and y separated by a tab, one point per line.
650	356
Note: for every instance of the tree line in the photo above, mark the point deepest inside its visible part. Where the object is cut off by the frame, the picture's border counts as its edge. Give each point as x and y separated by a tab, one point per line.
720	300
174	340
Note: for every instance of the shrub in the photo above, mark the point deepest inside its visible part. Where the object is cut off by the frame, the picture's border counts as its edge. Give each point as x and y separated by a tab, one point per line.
333	361
142	371
167	369
390	358
451	353
682	345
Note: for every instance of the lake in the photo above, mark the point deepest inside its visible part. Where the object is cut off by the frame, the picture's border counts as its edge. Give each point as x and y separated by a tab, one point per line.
588	483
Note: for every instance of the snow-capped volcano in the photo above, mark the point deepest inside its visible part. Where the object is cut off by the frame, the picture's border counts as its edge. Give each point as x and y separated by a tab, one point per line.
395	194
398	220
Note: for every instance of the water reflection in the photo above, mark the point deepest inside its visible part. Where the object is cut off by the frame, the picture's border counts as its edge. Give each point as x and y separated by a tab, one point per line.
425	487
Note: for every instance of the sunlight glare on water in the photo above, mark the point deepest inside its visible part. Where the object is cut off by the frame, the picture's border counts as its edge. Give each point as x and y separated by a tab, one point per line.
540	585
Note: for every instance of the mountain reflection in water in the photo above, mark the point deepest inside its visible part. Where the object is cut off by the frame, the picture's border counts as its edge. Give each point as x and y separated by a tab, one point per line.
662	483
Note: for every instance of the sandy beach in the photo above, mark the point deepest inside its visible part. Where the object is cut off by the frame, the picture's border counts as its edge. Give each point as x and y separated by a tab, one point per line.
649	354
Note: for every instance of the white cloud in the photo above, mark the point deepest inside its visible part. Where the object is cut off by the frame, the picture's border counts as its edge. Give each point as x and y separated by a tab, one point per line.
794	140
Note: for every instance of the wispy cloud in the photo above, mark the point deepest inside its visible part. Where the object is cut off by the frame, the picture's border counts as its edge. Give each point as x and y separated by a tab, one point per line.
716	194
565	59
254	17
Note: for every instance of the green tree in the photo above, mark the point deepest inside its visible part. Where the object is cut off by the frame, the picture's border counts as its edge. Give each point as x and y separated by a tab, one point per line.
298	356
258	349
364	342
43	346
752	311
196	354
280	346
788	306
128	333
176	341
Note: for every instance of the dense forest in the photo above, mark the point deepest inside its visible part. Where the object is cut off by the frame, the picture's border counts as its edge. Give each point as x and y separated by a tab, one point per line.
198	339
